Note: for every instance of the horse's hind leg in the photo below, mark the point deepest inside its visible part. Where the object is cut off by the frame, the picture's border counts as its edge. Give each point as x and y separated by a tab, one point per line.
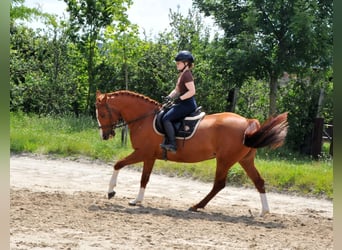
248	165
219	183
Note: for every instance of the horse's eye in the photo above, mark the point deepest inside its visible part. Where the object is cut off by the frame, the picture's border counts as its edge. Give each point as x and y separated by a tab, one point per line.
101	115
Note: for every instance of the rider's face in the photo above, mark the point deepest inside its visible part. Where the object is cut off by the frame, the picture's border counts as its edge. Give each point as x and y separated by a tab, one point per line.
180	65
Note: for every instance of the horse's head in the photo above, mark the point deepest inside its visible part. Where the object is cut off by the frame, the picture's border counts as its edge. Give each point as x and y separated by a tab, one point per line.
107	118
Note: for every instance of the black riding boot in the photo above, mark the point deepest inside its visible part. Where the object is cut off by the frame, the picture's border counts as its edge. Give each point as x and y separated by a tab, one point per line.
169	144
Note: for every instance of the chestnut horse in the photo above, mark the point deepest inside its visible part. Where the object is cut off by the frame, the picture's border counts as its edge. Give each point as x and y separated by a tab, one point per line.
228	137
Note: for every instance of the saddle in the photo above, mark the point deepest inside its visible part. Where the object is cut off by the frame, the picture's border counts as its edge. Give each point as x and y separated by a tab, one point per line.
185	128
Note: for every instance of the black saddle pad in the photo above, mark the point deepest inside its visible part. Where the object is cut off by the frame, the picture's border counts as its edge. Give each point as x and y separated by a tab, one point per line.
184	128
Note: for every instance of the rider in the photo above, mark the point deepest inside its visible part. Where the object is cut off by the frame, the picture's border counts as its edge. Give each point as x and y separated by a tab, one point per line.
183	94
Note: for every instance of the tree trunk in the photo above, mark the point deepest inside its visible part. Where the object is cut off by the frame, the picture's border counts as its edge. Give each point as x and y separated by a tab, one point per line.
56	58
320	103
231	99
90	75
124	131
273	95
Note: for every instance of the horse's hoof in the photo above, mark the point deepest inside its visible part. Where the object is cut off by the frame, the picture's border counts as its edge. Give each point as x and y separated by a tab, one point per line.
263	213
134	203
192	209
111	195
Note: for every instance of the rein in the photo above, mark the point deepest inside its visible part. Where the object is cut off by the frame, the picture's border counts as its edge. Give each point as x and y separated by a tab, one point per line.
124	123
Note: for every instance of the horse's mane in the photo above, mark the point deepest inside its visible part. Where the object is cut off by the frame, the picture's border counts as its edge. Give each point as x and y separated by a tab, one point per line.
134	94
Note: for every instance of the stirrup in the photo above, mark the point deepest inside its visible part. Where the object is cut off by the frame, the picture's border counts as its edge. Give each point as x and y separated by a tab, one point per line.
169	147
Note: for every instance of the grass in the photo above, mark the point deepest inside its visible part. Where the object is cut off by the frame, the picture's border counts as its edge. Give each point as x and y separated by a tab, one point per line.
78	137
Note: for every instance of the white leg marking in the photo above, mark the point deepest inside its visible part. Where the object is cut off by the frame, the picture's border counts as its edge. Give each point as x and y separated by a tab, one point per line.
139	198
265	209
113	181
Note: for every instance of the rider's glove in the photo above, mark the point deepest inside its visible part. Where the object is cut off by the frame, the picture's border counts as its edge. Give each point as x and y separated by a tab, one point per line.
166	98
177	100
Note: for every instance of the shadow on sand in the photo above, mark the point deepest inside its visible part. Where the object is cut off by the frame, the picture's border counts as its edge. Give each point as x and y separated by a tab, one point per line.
187	215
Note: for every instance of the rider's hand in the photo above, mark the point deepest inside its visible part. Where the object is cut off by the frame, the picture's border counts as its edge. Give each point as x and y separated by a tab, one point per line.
167	98
177	100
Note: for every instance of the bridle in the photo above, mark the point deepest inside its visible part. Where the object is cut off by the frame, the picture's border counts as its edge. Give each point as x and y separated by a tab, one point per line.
113	124
123	123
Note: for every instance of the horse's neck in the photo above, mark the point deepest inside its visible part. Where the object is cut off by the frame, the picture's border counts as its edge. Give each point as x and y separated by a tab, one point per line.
132	107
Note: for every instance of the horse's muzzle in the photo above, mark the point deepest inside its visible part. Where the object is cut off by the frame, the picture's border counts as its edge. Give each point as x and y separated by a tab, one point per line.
108	136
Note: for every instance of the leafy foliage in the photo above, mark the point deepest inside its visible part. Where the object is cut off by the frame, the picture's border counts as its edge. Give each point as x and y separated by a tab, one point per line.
301	98
265	38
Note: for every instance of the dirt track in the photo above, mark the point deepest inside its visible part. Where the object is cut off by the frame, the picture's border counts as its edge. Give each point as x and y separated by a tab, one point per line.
61	204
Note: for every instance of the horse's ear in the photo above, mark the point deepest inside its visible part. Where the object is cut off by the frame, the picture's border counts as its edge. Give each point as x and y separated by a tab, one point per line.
101	97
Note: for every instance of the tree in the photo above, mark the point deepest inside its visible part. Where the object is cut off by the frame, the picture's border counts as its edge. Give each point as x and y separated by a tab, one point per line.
265	38
20	12
45	68
121	48
88	18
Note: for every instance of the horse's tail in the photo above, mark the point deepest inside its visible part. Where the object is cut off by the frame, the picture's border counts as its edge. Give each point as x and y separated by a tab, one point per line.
271	133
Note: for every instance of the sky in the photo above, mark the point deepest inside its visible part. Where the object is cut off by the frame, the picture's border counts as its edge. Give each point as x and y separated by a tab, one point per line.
150	15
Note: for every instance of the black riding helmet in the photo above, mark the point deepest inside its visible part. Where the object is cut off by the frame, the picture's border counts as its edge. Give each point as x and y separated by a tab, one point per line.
184	56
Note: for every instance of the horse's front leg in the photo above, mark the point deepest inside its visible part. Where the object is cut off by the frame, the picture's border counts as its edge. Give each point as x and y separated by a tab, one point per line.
112	184
131	159
145	176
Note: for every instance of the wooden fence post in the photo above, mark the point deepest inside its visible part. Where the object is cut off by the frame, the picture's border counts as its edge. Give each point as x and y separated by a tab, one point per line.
317	137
